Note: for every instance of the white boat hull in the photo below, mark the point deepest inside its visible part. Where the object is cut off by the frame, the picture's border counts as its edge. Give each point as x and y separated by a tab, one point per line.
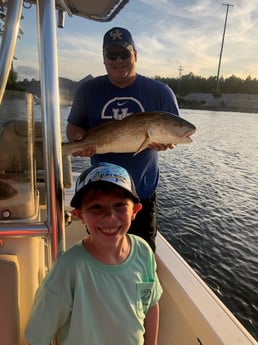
190	312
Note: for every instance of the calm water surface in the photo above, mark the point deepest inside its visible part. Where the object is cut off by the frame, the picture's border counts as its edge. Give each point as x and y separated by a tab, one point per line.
207	198
208	206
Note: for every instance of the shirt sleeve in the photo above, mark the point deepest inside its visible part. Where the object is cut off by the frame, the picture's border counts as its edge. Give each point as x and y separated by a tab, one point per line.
53	310
79	109
169	101
157	290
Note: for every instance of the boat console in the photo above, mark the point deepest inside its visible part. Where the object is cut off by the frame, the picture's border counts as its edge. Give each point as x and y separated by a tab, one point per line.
22	172
18	195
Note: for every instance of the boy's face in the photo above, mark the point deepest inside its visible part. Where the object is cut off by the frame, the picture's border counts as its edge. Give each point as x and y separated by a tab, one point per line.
108	216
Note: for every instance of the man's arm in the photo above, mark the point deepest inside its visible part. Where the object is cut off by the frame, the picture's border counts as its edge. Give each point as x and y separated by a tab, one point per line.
151	324
75	133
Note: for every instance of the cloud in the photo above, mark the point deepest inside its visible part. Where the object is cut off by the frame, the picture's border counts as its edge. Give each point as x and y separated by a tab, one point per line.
190	34
27	72
168	34
80	55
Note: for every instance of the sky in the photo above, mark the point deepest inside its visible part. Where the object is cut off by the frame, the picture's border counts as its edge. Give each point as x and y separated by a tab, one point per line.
172	37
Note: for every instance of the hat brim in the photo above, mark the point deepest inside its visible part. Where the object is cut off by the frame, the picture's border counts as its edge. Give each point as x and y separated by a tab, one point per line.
77	198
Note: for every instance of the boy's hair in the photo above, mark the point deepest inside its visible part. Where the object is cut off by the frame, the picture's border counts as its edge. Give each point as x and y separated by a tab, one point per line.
108	188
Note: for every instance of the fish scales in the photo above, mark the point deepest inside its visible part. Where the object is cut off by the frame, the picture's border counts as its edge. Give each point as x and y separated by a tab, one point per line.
135	133
113	136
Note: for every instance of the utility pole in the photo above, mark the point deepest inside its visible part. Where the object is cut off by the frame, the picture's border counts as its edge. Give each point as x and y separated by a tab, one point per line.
222	44
179	79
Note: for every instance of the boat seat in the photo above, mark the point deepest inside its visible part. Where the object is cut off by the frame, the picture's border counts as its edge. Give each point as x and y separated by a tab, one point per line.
22	171
9	300
15	153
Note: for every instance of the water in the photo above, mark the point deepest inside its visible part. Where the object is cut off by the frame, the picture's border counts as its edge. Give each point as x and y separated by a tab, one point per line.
208	197
207	205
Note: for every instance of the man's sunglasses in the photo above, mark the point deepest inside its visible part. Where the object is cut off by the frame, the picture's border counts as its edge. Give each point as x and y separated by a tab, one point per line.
126	54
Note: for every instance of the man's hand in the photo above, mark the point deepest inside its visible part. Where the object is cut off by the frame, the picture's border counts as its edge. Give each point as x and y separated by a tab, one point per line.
85	151
161	147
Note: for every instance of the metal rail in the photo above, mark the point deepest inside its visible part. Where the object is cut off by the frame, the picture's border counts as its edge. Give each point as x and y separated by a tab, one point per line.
23	230
51	123
8	43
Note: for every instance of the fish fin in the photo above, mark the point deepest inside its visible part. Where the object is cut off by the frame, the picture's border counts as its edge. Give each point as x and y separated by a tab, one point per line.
143	146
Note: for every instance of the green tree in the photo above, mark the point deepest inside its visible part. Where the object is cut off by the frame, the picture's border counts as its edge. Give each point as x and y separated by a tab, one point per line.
12	83
233	84
191	83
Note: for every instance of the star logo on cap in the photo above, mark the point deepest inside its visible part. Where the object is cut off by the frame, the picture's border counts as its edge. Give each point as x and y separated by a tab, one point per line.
116	35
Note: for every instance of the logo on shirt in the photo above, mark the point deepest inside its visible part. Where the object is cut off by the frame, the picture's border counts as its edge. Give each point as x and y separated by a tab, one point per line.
120	104
120	107
146	297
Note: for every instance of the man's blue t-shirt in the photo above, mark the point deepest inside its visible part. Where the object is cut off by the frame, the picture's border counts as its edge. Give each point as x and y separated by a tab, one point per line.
98	100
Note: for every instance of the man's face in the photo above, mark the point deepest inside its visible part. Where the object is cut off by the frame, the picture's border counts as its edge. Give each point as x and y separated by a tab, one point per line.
120	64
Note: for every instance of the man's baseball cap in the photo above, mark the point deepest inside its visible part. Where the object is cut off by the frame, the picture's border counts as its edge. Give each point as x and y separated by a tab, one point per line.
105	172
118	37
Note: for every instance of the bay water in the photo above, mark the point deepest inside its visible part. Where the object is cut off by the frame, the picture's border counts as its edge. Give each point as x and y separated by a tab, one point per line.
208	205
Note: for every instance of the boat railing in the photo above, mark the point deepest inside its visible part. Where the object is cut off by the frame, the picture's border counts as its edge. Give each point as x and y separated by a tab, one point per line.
50	106
31	233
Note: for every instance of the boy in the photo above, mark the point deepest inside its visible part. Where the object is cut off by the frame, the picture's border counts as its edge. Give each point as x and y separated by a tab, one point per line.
104	290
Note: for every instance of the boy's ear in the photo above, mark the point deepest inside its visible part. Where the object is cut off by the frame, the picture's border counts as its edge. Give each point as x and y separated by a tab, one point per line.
137	208
76	213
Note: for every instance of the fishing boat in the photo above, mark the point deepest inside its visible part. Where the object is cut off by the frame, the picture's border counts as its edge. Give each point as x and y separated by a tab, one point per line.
36	185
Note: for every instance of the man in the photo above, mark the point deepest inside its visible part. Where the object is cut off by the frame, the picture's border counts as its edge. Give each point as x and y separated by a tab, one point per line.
118	94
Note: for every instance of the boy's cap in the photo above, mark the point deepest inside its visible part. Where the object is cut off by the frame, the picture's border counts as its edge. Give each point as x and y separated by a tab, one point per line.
118	37
103	172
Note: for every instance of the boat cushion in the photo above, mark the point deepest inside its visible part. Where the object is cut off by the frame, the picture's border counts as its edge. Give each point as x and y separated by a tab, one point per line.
9	300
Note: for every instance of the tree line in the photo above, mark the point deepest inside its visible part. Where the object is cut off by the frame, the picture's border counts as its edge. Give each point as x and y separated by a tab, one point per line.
182	86
191	83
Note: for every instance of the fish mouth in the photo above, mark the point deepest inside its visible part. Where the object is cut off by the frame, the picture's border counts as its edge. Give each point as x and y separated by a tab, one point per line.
188	134
188	130
187	139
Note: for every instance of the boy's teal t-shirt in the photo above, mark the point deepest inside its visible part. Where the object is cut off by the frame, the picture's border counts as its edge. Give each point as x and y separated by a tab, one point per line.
84	301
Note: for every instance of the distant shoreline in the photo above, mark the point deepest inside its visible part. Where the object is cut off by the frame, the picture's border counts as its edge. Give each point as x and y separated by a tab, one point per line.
235	110
244	103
